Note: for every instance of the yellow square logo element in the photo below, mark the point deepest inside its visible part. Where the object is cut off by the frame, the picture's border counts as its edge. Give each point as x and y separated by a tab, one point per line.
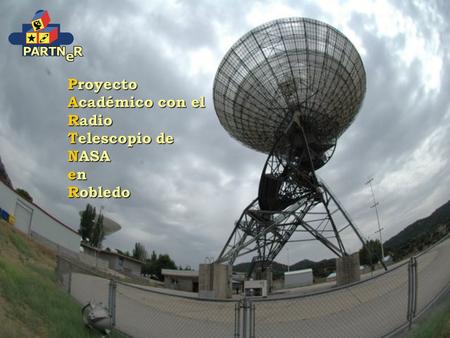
31	38
44	38
37	24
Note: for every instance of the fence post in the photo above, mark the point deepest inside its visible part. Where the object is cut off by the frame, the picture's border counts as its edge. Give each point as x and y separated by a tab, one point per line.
112	300
69	286
248	319
414	303
412	290
252	327
237	320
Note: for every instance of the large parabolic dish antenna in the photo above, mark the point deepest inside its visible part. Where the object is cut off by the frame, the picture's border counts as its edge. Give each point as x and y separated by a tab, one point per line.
284	68
289	88
109	226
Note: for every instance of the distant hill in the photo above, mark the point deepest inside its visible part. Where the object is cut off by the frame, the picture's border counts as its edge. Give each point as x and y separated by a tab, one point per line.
4	175
278	269
320	269
301	265
421	233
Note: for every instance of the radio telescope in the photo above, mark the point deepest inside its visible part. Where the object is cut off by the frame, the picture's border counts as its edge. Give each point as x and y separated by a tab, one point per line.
289	88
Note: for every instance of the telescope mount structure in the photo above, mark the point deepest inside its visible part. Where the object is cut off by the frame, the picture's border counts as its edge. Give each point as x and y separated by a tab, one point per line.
289	88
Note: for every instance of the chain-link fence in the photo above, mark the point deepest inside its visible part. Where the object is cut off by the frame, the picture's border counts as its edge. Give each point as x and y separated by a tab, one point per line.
432	275
379	306
366	309
143	311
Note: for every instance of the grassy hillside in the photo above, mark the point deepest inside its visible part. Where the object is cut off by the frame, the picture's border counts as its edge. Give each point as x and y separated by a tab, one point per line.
31	303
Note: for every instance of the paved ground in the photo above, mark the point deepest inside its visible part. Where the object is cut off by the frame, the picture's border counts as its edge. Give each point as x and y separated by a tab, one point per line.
372	308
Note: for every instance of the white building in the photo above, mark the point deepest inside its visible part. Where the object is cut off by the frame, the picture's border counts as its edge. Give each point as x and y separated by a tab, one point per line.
293	279
110	259
331	277
39	224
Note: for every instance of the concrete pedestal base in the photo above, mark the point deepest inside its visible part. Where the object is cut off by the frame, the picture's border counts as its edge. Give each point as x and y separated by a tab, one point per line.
347	269
214	280
266	275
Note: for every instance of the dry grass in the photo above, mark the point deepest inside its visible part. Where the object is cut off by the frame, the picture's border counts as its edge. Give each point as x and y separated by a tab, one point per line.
31	303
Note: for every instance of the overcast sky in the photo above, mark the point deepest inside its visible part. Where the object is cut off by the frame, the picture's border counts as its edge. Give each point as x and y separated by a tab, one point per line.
187	196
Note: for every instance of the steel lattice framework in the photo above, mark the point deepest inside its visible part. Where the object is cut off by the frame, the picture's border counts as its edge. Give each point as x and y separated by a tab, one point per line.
289	88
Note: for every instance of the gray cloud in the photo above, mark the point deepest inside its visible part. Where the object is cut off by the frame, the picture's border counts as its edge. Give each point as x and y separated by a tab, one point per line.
186	196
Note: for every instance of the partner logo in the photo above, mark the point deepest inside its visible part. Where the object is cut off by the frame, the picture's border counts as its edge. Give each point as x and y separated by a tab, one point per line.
40	38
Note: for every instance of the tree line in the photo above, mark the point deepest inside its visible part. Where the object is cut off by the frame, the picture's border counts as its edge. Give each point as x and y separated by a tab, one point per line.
153	263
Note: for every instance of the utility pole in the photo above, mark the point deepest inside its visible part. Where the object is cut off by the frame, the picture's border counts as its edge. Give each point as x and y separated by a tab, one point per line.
375	205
